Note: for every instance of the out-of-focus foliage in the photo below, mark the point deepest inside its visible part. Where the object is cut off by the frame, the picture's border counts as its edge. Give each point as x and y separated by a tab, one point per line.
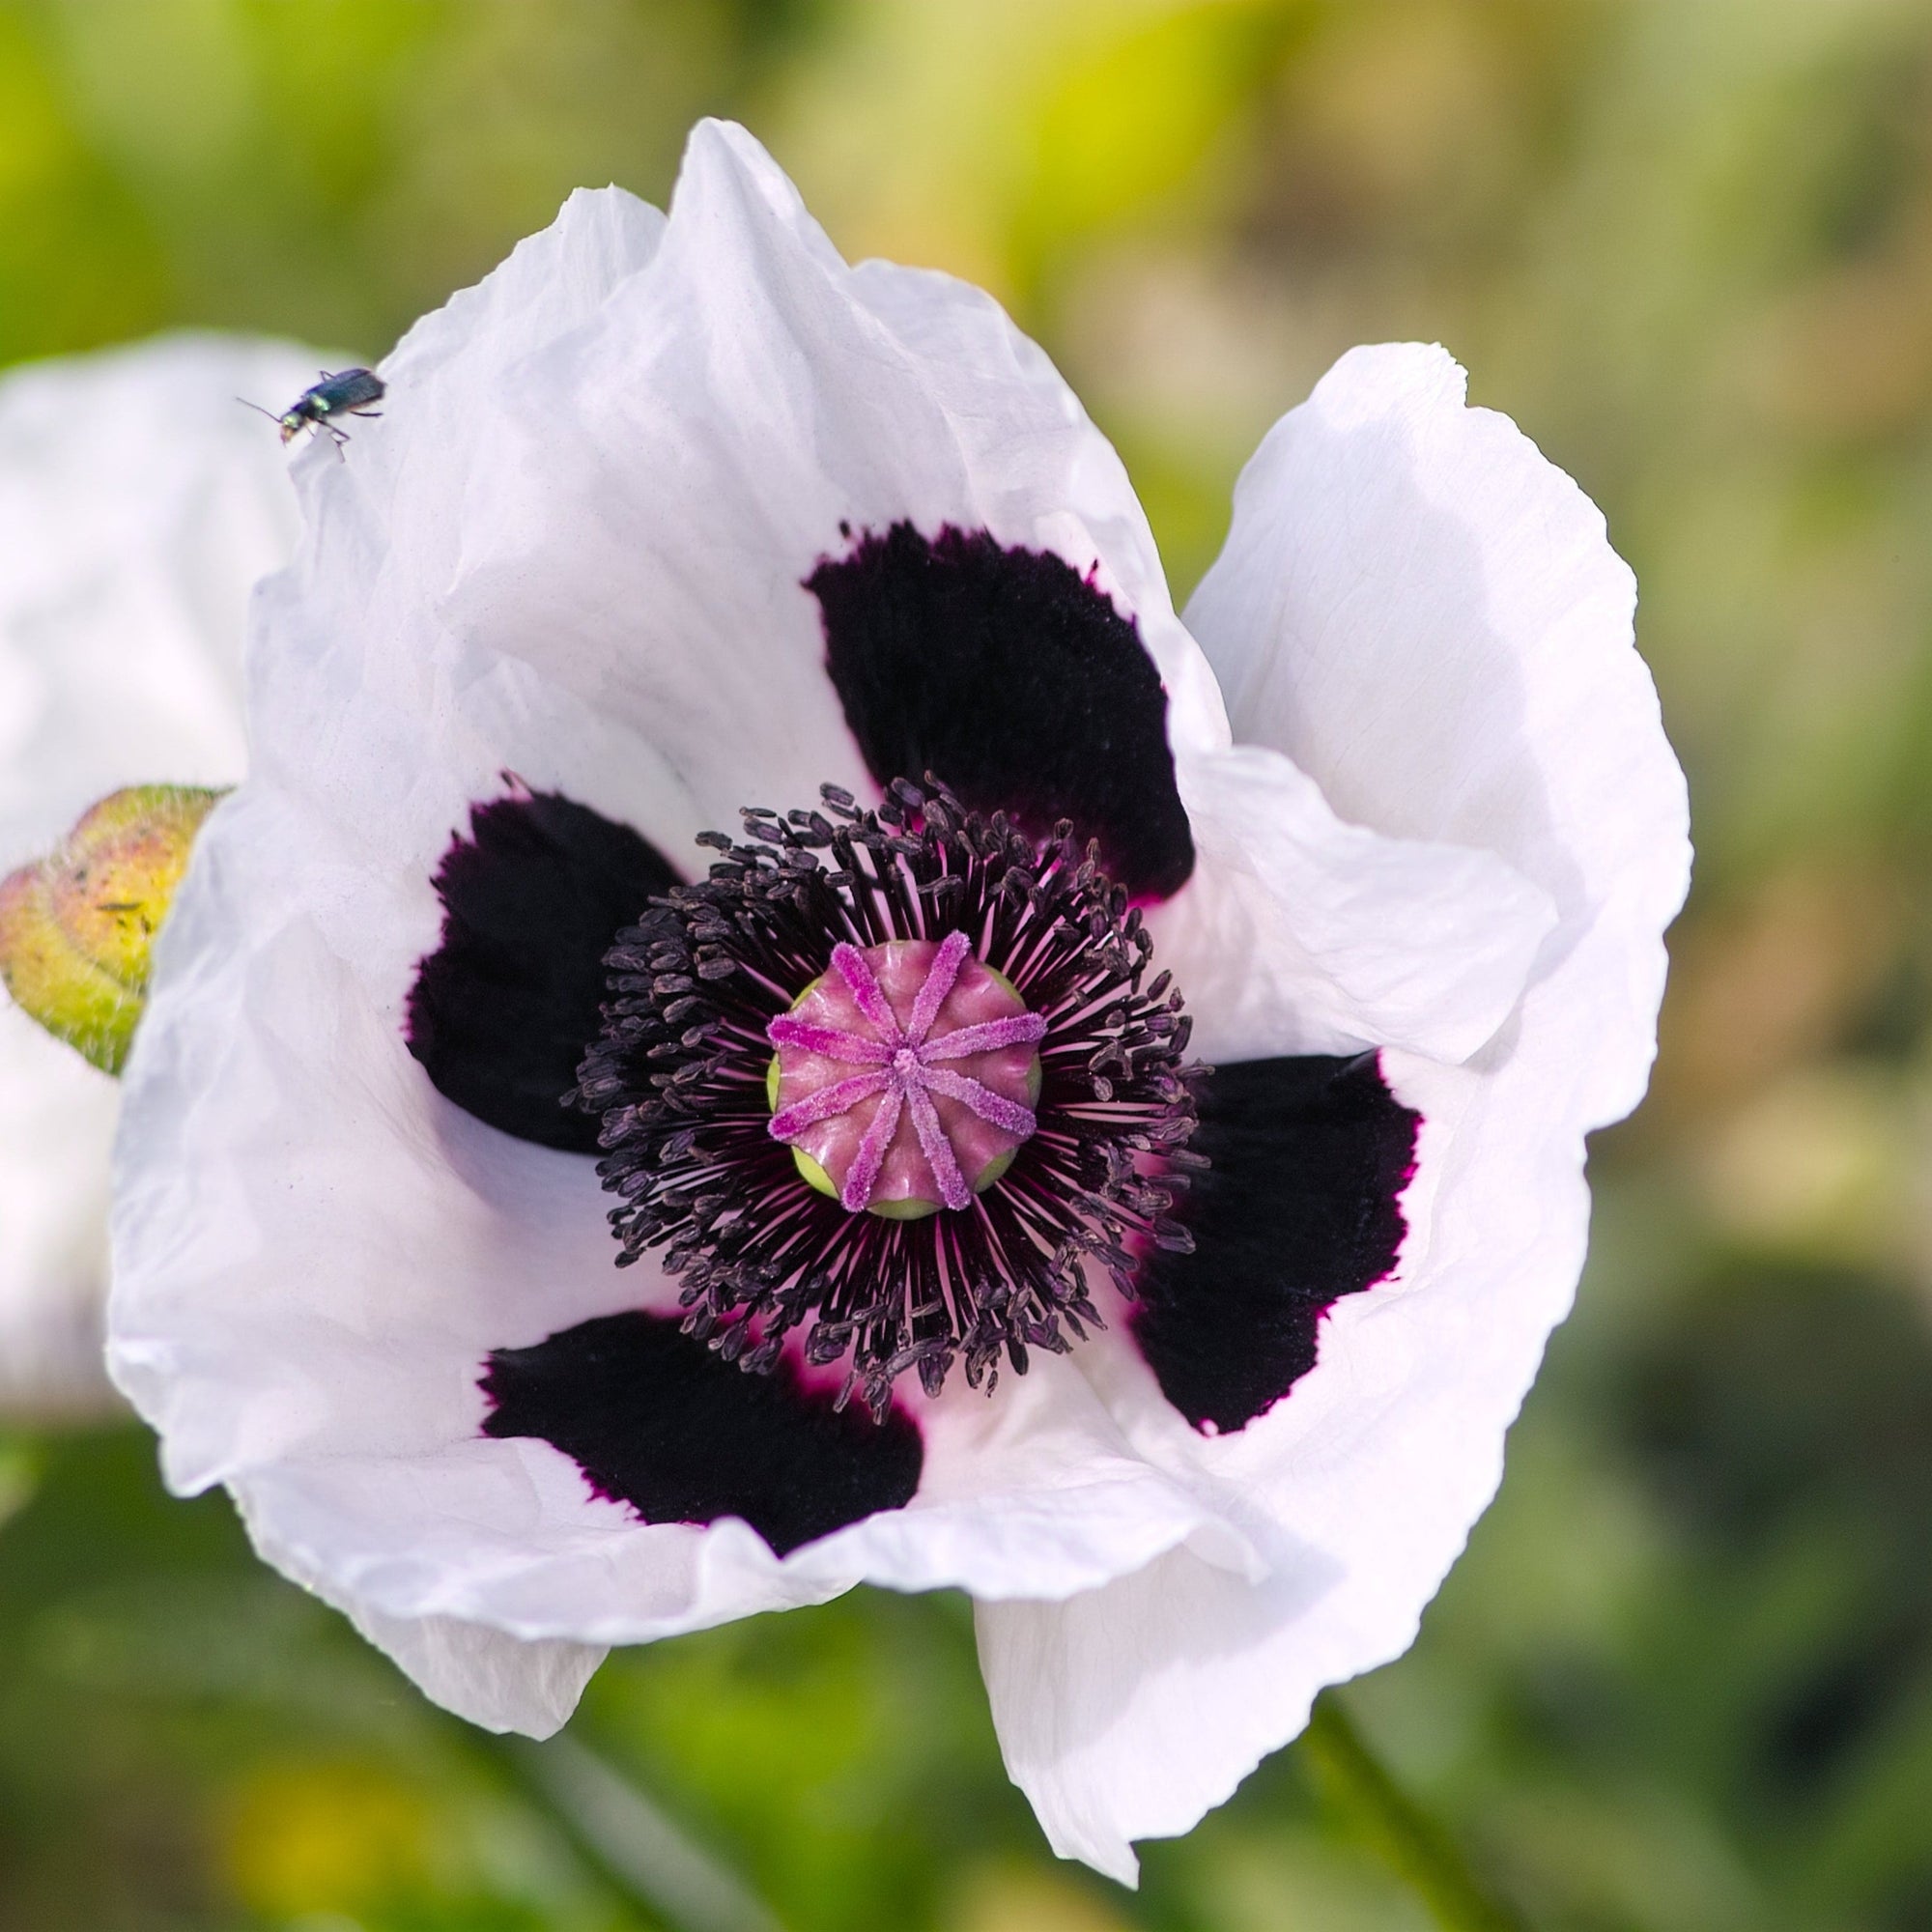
1683	1681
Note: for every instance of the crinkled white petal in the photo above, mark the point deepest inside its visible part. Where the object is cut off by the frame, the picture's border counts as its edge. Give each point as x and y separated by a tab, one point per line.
1427	618
499	1682
1425	615
571	549
139	502
1093	1747
602	475
1302	933
1079	499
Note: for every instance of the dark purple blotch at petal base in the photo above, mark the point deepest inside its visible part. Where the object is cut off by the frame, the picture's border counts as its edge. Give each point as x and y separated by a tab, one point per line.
655	1419
1300	1207
1016	681
502	1010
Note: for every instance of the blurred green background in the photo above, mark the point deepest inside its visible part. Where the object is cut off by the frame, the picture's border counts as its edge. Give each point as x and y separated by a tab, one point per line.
1683	1682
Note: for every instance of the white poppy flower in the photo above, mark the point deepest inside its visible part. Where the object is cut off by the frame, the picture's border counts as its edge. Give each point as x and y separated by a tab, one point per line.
1201	1388
138	503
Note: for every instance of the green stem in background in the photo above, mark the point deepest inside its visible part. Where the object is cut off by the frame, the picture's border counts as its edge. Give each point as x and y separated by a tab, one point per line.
1406	1839
626	1841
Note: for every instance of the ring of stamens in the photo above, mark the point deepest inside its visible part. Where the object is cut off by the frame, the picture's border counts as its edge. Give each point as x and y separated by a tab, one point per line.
702	989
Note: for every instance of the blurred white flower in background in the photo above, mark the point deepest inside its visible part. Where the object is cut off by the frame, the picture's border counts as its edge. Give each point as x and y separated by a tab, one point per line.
138	504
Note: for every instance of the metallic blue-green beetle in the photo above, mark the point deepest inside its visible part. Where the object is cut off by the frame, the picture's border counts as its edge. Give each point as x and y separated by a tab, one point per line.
344	393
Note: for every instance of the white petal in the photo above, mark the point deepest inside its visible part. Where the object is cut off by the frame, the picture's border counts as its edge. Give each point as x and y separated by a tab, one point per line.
609	516
1426	618
1033	1492
1094	1748
1069	493
501	1683
362	698
1302	933
140	502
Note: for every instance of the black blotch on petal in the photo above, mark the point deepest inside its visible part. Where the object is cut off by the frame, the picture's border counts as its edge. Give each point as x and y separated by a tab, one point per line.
1016	681
1300	1207
655	1419
502	1010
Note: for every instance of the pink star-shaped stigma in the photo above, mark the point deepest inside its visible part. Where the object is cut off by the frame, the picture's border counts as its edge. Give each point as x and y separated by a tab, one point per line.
904	1065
